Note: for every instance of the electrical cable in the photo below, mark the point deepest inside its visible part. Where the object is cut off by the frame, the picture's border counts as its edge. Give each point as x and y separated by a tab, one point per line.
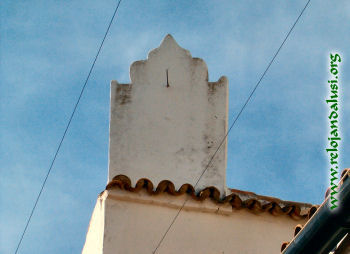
235	120
66	129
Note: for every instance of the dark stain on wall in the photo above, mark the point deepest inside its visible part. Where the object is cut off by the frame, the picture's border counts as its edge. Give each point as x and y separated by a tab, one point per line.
123	94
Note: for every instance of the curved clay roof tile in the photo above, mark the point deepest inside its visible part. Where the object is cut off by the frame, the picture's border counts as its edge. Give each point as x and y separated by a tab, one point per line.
256	204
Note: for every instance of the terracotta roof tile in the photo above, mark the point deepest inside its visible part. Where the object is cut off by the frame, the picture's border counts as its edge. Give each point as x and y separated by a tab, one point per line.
238	199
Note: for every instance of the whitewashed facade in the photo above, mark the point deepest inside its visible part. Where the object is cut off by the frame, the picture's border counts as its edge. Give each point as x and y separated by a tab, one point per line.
165	125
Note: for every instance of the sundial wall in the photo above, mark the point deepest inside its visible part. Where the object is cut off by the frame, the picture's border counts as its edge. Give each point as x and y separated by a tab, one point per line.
169	131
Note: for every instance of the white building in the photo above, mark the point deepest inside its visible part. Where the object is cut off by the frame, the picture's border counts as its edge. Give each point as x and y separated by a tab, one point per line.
165	127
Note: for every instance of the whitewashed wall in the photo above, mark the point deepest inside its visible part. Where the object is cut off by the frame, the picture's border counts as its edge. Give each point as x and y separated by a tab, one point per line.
159	132
163	130
135	223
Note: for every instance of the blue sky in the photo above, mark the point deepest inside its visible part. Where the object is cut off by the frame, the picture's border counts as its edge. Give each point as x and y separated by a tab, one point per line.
277	147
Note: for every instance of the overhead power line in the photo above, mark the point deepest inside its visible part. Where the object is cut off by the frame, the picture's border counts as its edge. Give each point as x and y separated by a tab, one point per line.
66	129
234	122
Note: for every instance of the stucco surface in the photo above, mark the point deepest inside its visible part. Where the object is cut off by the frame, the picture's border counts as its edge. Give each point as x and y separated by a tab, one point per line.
169	132
166	125
94	236
135	223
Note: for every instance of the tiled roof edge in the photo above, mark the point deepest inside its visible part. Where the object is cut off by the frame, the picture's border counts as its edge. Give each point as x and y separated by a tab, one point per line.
345	175
292	209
